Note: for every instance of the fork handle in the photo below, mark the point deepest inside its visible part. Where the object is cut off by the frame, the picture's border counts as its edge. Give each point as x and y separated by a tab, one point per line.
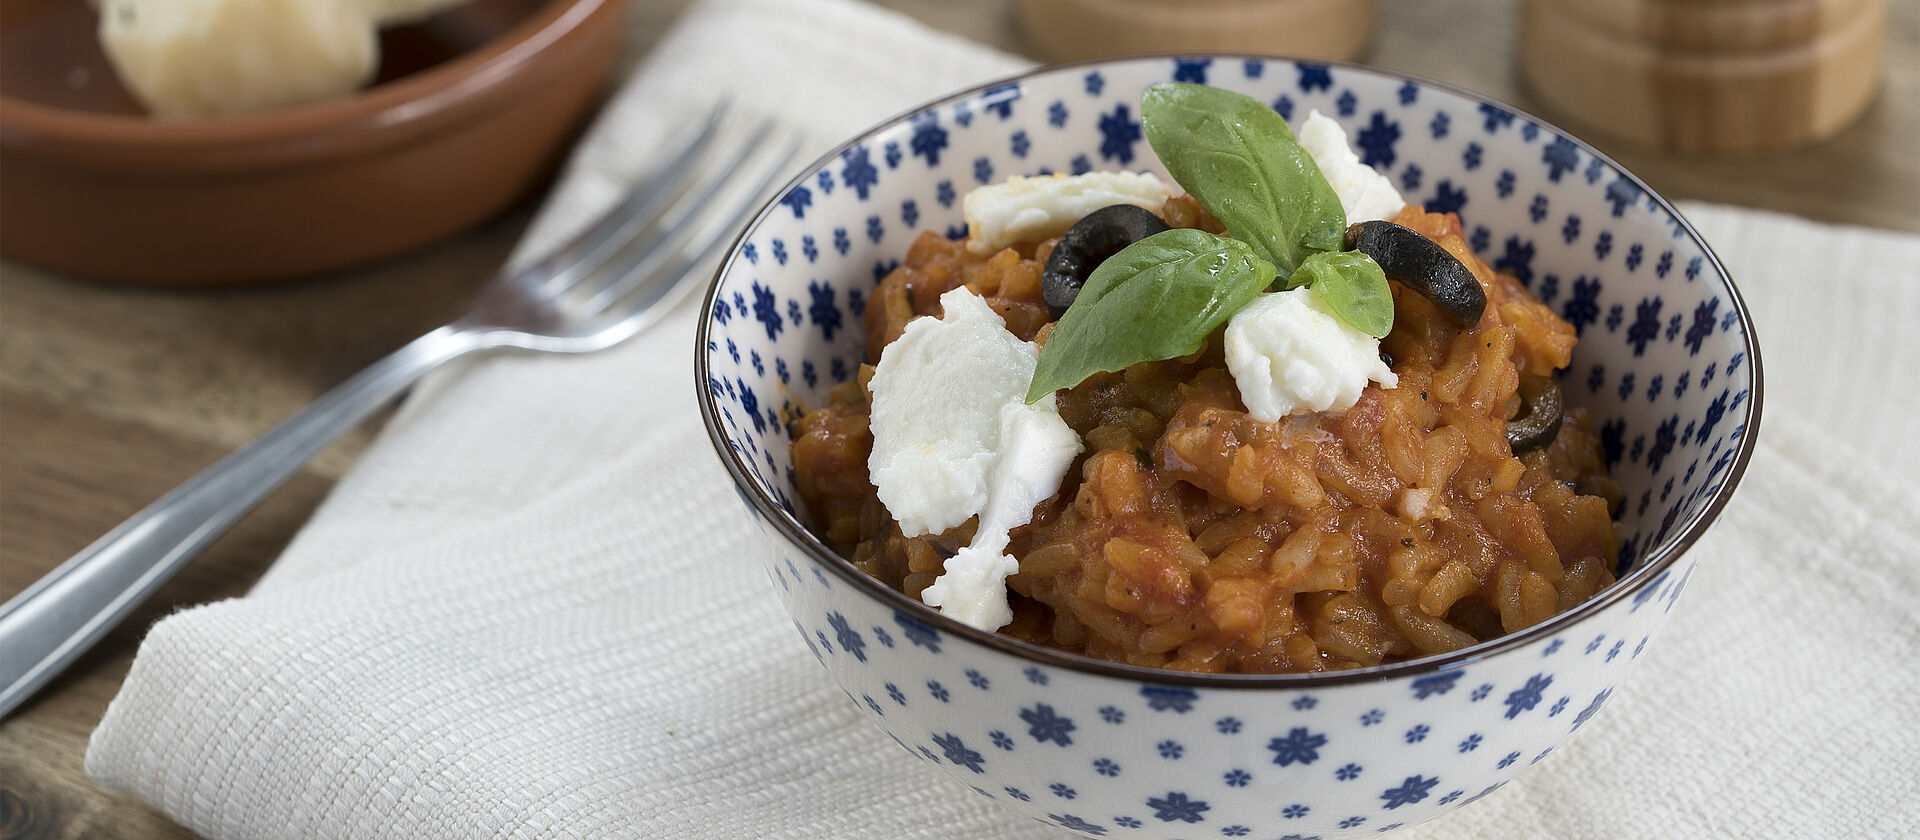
54	621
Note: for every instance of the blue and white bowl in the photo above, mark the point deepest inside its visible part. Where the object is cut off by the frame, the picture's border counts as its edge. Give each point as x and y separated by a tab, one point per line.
1666	362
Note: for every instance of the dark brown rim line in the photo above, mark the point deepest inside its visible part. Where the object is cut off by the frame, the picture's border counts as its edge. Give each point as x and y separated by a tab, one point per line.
1693	529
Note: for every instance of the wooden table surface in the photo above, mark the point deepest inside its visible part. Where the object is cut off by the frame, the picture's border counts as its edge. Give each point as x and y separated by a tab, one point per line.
110	396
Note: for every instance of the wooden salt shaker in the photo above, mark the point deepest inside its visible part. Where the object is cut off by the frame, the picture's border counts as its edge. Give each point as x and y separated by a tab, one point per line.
1704	76
1070	30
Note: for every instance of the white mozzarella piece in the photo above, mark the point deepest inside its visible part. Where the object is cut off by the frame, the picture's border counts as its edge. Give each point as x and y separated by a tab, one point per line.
202	58
1031	209
1289	353
1364	193
1036	449
953	437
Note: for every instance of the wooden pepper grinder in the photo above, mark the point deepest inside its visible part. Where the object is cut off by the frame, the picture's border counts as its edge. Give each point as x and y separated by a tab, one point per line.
1705	76
1070	30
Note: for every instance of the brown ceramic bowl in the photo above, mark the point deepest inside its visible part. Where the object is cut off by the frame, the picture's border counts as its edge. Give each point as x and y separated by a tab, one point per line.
470	109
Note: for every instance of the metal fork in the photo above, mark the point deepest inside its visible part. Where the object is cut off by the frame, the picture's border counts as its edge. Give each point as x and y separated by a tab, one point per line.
605	285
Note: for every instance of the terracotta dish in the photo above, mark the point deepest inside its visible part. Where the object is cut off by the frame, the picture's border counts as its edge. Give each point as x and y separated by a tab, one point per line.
470	109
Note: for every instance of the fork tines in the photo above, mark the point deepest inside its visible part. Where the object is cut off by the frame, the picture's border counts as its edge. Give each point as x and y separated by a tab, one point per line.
634	261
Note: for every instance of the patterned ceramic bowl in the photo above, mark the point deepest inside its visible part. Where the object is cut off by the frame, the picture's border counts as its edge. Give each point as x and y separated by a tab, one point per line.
1666	362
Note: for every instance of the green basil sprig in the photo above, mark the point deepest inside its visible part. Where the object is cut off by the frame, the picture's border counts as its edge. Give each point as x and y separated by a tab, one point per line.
1353	286
1237	157
1159	298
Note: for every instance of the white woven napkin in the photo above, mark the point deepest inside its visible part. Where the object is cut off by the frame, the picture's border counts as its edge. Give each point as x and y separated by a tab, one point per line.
528	611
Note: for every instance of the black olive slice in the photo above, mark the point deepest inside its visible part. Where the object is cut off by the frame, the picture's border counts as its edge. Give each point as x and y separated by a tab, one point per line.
1540	413
1087	244
1422	265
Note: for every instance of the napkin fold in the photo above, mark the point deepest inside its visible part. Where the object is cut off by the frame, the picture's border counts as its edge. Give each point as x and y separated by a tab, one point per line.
530	610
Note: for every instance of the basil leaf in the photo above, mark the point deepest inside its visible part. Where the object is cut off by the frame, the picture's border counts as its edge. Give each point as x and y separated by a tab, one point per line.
1353	286
1159	298
1240	161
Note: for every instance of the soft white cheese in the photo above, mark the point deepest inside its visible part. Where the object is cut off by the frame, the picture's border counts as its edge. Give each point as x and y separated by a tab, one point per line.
953	438
1030	209
1289	353
200	58
1364	193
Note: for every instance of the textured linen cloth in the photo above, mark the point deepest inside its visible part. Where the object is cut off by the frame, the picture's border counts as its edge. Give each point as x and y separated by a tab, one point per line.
530	611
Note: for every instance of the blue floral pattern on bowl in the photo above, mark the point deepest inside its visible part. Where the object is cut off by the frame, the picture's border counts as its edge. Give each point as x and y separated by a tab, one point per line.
1666	363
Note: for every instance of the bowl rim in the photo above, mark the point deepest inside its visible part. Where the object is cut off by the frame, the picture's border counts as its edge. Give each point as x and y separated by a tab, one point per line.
789	527
376	116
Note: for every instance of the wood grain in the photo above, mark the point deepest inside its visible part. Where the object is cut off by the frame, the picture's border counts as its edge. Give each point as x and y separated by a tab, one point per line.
1071	30
110	396
1868	174
1689	76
